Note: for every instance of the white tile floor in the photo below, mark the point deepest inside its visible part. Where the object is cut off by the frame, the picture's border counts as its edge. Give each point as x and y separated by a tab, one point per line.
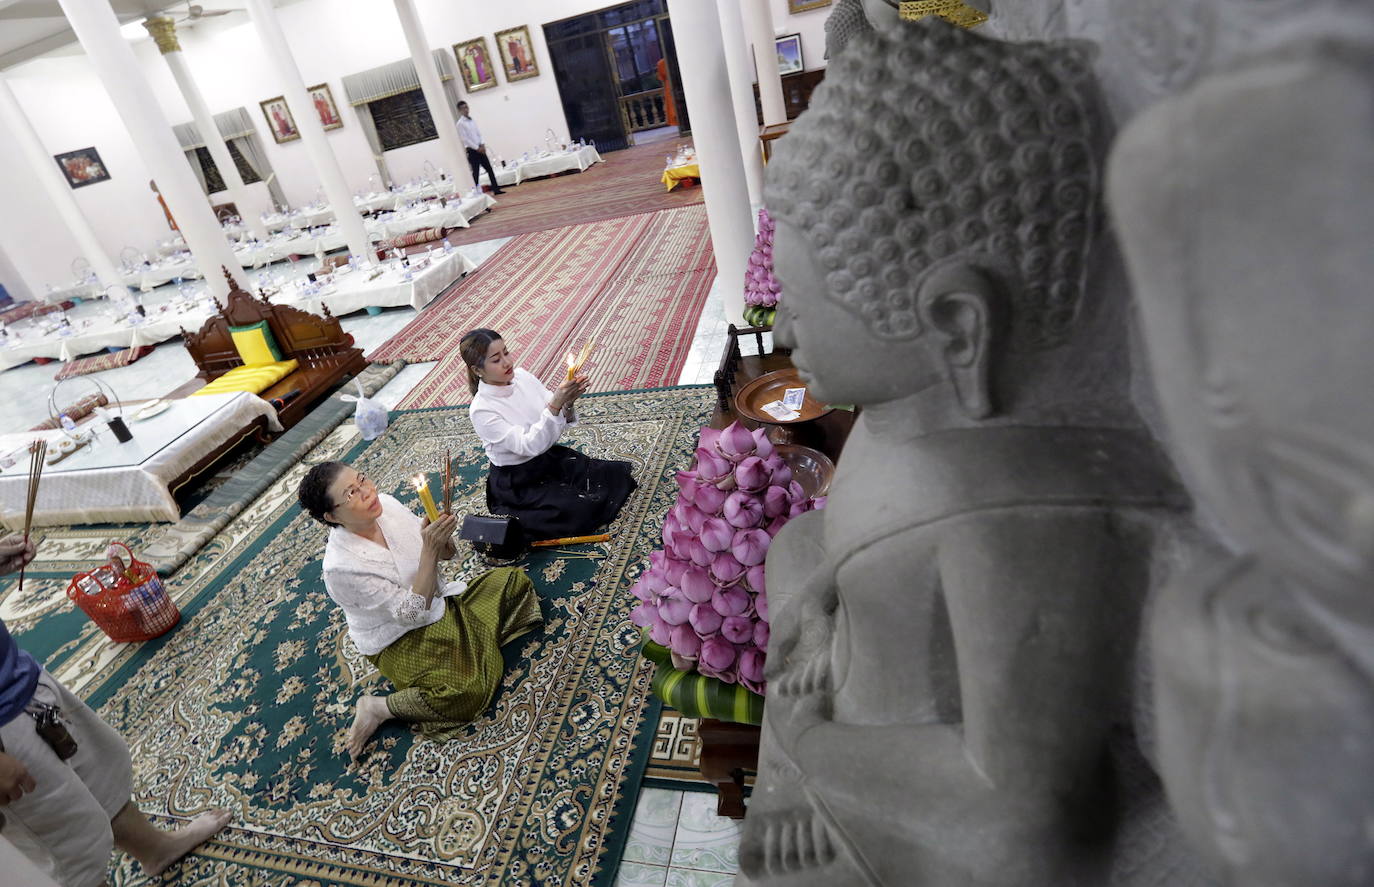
676	840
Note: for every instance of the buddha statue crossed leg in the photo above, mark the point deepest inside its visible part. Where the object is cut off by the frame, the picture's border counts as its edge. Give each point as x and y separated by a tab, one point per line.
954	635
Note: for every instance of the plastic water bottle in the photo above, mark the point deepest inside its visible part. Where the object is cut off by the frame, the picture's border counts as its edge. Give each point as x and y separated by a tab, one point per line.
67	424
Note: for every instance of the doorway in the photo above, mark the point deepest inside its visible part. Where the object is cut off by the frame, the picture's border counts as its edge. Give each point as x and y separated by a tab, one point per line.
611	66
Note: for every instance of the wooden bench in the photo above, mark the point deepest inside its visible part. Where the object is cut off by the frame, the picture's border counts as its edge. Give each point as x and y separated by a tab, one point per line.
324	351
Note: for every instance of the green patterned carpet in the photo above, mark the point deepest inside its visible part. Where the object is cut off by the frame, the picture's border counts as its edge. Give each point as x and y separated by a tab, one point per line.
246	704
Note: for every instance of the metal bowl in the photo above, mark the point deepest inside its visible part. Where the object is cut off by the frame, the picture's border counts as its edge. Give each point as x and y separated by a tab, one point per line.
810	468
770	387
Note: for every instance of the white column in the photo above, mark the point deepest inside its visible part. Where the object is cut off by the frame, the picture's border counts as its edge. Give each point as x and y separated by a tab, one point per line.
455	157
13	281
742	92
758	23
289	79
97	29
701	58
163	31
44	169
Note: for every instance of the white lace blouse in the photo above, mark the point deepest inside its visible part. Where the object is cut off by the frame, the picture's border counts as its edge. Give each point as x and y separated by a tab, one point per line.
513	420
372	583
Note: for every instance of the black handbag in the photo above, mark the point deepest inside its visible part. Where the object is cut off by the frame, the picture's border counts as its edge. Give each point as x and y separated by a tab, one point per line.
497	536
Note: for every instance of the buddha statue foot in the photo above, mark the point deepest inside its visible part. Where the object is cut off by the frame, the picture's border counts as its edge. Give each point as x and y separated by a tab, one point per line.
788	843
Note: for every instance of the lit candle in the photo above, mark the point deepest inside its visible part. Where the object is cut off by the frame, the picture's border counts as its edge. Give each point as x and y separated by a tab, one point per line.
426	498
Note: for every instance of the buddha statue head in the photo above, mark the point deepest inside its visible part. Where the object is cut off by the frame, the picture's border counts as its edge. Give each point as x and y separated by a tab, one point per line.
938	212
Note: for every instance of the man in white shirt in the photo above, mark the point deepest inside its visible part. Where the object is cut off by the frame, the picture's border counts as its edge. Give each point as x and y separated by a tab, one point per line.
477	149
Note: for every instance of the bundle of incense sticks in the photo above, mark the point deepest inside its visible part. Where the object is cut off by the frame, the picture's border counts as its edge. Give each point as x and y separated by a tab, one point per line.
38	452
575	363
572	540
448	482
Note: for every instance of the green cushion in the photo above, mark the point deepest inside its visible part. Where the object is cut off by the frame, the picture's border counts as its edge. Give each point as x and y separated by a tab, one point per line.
255	344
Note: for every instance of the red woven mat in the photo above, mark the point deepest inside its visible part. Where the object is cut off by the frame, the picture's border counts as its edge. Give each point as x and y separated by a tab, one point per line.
99	362
642	314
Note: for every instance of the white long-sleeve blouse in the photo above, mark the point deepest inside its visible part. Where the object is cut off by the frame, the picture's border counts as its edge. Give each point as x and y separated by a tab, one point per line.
373	584
513	420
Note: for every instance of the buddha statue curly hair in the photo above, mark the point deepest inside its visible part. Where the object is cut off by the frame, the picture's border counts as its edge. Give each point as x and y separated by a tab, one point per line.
931	144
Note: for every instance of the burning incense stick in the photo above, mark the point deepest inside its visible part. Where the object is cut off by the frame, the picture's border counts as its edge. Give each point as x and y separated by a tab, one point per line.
575	362
38	452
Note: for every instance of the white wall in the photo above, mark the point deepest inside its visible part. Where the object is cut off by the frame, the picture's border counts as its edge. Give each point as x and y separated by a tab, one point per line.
329	39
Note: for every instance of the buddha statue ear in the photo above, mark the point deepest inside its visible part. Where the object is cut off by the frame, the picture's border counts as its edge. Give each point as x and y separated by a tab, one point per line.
960	309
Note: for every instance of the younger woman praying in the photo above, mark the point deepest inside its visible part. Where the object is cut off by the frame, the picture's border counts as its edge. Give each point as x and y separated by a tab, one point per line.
438	643
554	490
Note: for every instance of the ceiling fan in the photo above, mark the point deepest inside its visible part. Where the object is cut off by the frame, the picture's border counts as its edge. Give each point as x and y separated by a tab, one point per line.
195	12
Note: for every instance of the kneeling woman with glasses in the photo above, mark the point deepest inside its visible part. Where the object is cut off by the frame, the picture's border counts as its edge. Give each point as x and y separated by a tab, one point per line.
554	490
438	643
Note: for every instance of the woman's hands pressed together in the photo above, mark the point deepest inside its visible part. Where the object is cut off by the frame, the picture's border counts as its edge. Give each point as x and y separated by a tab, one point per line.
437	538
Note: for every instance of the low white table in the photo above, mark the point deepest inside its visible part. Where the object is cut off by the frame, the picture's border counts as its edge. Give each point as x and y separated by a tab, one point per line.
353	291
537	167
107	481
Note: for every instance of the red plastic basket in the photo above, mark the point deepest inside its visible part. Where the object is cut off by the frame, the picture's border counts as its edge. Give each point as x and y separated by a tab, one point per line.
132	607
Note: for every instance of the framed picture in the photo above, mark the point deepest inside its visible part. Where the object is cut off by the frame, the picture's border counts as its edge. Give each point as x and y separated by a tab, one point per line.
279	120
475	62
796	6
789	54
325	107
82	167
517	53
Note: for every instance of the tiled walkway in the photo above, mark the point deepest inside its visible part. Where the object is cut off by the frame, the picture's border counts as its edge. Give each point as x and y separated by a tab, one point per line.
677	840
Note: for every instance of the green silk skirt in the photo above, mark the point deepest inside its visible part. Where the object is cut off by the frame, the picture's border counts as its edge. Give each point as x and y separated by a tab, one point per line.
446	673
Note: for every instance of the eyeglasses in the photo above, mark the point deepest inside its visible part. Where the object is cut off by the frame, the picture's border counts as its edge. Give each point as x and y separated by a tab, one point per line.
354	489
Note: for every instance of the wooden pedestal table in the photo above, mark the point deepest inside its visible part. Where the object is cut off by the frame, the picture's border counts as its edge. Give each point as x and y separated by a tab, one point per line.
728	752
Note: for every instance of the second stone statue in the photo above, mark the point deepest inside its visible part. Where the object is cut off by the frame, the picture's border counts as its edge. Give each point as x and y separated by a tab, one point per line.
953	662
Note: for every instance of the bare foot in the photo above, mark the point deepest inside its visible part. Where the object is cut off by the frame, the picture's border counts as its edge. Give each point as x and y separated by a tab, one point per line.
188	837
369	714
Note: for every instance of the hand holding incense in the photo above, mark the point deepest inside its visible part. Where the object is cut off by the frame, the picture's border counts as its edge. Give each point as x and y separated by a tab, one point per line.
426	498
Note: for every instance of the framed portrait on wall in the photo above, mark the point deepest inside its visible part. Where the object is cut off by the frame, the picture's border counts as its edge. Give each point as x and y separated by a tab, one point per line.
796	6
789	54
82	167
323	100
517	53
475	62
279	120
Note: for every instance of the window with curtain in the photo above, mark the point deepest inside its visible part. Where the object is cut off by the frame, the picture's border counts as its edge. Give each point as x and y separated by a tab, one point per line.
213	180
402	119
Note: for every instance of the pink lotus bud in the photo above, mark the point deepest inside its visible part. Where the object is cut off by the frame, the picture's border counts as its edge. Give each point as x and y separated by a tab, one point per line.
644	615
696	585
673	570
640	591
795	491
716	534
717	654
674	610
704	619
775	502
685	641
743	510
687	485
761	633
681	663
776	524
677	543
653	581
711	466
725	570
818	503
781	472
708	438
761	606
750	547
700	554
660	632
798	508
755	578
656	560
737	629
763	447
751	668
709	499
689	517
751	474
726	483
735	442
730	601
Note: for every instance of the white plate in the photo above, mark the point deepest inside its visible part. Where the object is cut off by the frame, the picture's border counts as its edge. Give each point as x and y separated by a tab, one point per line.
152	409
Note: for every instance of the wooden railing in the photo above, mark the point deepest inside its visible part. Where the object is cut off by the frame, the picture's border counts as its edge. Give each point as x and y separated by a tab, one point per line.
643	110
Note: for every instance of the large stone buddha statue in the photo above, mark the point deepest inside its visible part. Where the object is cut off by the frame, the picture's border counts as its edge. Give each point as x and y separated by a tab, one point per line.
1246	208
952	665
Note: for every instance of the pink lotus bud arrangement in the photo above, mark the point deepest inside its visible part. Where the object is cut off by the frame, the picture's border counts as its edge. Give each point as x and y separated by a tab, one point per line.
760	286
703	594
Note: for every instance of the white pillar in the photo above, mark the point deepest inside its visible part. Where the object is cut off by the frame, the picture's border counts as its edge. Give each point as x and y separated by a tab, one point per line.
163	31
450	146
701	58
742	93
758	23
14	283
97	29
288	76
44	168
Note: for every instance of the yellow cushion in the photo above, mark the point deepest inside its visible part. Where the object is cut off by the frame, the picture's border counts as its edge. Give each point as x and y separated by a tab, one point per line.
253	379
255	344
